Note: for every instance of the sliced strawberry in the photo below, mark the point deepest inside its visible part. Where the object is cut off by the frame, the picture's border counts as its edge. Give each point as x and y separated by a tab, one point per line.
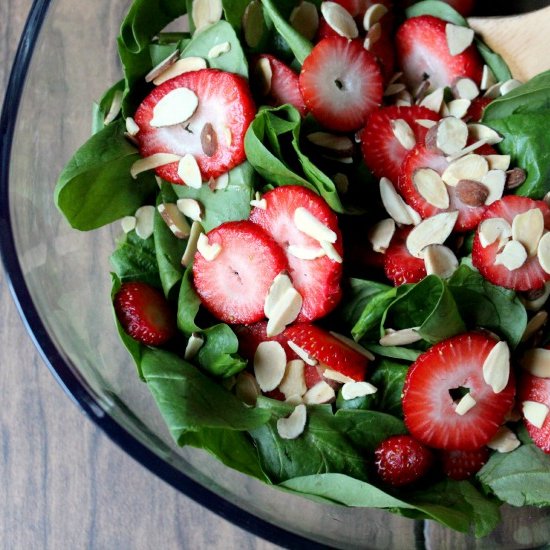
401	460
233	286
225	108
384	51
400	265
537	389
439	377
324	30
251	336
382	151
477	108
328	350
144	313
285	87
318	281
530	275
341	83
461	465
423	54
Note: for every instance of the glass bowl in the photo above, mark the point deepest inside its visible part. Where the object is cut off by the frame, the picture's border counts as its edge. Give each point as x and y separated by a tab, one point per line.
60	281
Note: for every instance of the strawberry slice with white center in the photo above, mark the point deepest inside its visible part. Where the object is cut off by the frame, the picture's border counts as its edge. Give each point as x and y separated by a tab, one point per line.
536	389
400	265
318	279
440	378
382	151
341	83
233	285
423	54
213	135
530	275
328	350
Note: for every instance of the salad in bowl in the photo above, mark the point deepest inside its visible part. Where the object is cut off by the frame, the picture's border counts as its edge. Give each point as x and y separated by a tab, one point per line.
335	248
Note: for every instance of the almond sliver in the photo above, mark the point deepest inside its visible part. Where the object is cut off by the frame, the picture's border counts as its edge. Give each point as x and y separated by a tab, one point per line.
269	365
496	367
293	426
307	223
181	66
175	107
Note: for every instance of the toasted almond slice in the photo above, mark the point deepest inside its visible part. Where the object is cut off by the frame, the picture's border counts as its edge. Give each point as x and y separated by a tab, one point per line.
294	400
165	64
330	374
487	78
189	171
452	135
543	252
181	66
145	216
440	260
253	24
191	208
175	107
342	182
492	229
465	404
173	218
307	223
394	89
400	337
305	252
534	325
403	99
221	182
192	241
284	311
527	228
515	177
493	91
494	181
293	382
281	283
513	255
393	203
194	344
209	251
209	140
128	223
269	365
247	389
465	88
480	131
319	394
219	49
353	345
305	19
504	441
434	230
535	413
373	15
496	367
339	20
458	107
332	142
537	360
471	193
434	100
263	75
509	85
381	234
536	299
206	12
498	162
459	38
259	203
293	426
403	133
431	187
331	252
426	123
467	150
471	167
152	162
302	354
131	127
351	390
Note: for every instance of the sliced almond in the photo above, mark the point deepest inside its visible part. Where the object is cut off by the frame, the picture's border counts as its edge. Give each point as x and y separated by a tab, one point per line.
263	75
434	100
403	133
181	66
513	255
459	38
294	400
471	193
221	182
353	345
175	107
156	71
128	223
305	252
467	150
440	261
247	389
284	311
269	365
393	203
527	228
319	394
494	181
152	162
504	441
114	108
293	426
543	252
381	234
308	224
194	344
259	203
465	404
498	162
537	361
496	367
173	218
465	88
305	19
332	142
487	78
192	241
426	123
459	107
403	98
302	353
493	91
189	172
394	89
480	131
471	167
339	19
414	215
190	208
209	140
400	337
509	85
206	12
434	230
145	216
331	252
293	382
131	127
219	49
209	251
281	283
431	187
373	15
253	23
494	229
330	374
534	325
342	182
515	178
536	299
535	413
452	135
352	390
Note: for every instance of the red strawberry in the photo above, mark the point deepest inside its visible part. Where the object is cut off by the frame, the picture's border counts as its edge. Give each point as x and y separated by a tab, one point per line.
324	30
328	350
382	151
251	336
384	51
535	388
318	281
225	103
443	373
401	460
400	265
477	108
341	83
423	53
144	313
530	275
285	87
461	465
233	286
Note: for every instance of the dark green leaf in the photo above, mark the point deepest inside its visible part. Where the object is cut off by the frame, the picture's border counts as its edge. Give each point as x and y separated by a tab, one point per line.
372	315
234	11
394	352
442	10
159	52
494	61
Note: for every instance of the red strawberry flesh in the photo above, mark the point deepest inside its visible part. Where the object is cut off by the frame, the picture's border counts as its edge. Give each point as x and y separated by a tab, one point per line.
400	265
537	389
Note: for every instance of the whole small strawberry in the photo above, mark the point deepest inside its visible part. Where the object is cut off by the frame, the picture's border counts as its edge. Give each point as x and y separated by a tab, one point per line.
144	313
461	465
401	460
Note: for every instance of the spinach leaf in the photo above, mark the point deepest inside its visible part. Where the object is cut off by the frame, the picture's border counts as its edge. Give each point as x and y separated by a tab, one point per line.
233	11
394	352
101	109
159	52
494	61
322	447
95	188
368	325
482	304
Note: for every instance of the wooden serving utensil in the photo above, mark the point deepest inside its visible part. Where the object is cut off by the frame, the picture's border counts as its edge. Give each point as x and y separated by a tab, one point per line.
522	40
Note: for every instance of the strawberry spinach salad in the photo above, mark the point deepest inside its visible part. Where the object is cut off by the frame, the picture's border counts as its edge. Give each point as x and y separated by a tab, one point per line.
336	254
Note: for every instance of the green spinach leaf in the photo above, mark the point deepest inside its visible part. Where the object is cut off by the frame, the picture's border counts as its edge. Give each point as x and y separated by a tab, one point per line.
100	111
394	352
368	326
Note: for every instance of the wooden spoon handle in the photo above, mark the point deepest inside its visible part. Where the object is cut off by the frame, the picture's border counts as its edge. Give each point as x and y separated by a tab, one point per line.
522	40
